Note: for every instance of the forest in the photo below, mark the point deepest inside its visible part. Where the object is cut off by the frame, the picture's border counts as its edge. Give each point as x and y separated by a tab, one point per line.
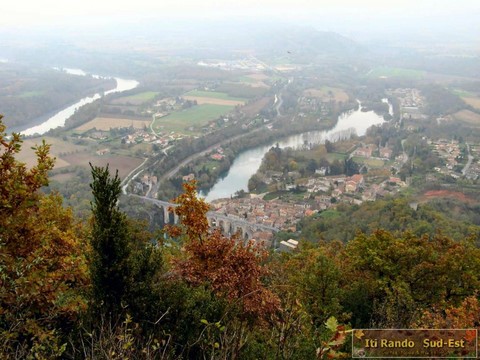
108	288
41	91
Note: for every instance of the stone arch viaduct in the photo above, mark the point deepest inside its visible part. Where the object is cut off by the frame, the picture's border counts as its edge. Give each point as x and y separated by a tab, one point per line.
230	224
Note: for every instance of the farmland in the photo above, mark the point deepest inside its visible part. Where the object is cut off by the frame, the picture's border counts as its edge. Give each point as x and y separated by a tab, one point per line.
390	72
124	164
371	162
254	108
472	101
196	117
105	123
136	99
254	80
325	92
212	95
469	117
58	149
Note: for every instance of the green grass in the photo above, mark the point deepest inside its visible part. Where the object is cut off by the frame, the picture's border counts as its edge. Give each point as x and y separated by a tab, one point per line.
29	94
213	95
247	79
376	163
196	116
335	156
329	214
395	72
209	165
138	98
462	93
274	194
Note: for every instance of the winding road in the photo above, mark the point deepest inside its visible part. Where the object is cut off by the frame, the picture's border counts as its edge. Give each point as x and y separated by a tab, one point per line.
154	189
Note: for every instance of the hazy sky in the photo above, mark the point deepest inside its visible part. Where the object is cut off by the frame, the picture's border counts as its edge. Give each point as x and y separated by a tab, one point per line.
54	12
349	17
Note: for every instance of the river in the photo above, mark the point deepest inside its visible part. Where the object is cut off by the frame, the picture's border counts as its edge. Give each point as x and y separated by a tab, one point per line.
247	163
59	118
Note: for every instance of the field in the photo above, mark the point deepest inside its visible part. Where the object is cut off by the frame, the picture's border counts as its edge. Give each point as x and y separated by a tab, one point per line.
324	93
208	100
376	163
136	99
27	155
335	156
196	116
468	116
62	177
257	76
472	101
102	123
254	108
462	93
29	94
388	72
254	80
212	95
124	164
241	91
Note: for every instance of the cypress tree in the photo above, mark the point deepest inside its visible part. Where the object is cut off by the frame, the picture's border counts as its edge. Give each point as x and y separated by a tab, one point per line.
109	242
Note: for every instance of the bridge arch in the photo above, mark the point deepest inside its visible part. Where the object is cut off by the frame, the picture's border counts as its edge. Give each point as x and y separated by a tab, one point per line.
228	224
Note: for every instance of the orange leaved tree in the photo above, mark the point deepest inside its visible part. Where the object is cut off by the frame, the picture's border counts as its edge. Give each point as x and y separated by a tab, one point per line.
232	270
42	268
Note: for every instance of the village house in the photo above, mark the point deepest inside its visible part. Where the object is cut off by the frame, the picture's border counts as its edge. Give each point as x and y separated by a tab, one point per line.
353	183
102	151
365	151
288	245
188	177
217	157
385	153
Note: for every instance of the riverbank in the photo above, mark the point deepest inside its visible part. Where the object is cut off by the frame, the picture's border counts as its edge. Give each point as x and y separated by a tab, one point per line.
58	118
247	163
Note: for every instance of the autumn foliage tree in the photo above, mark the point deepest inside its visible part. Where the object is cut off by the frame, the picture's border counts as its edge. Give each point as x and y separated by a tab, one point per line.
42	267
232	270
401	276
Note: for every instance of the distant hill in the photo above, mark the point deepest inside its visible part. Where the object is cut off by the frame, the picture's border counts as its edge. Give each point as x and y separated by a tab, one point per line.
304	43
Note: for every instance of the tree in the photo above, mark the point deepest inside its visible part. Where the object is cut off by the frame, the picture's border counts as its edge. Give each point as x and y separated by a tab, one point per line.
109	241
43	271
231	270
125	262
329	146
404	275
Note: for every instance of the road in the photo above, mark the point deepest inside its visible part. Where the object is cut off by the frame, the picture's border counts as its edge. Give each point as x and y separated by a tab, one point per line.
469	162
192	157
124	187
154	189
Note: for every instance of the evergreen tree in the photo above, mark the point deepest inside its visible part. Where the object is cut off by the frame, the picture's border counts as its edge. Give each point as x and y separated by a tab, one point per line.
109	241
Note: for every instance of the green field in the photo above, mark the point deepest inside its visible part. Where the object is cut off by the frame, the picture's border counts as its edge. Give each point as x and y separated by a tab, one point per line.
213	95
384	71
29	94
196	116
462	93
335	156
247	79
137	99
329	214
376	163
